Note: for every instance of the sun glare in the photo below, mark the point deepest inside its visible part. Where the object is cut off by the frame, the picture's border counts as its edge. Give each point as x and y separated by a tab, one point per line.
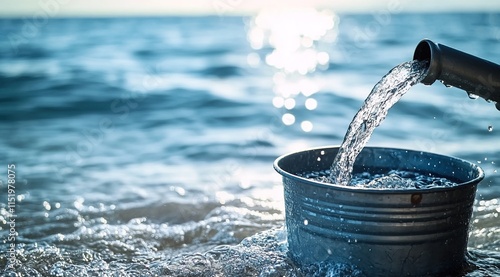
292	34
289	42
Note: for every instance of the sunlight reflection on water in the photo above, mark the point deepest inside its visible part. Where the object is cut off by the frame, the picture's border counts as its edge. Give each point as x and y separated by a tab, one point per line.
296	37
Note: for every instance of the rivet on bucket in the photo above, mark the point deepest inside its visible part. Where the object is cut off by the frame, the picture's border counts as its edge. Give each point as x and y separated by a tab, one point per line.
416	198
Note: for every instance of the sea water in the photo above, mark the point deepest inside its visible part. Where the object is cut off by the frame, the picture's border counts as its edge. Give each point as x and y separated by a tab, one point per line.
374	110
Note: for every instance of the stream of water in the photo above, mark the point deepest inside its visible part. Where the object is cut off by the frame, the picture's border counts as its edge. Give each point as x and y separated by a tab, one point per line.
383	96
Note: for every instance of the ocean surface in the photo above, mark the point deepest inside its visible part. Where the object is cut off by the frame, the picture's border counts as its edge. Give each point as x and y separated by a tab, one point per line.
144	146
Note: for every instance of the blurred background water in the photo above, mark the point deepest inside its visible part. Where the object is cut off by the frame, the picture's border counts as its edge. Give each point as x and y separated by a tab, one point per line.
144	146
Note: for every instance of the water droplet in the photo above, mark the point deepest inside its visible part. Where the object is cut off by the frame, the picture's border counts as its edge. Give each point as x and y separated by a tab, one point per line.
445	84
472	96
306	222
490	128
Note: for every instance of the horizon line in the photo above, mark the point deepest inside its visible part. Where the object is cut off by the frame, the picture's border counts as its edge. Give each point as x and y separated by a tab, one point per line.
232	14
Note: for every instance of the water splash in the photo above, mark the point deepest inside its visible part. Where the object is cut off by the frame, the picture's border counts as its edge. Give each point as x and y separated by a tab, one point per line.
394	179
374	110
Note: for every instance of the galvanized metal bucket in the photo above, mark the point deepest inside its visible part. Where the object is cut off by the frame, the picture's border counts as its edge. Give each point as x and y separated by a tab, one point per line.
382	232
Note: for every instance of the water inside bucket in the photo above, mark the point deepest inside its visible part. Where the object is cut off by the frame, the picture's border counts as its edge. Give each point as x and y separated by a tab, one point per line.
374	110
393	179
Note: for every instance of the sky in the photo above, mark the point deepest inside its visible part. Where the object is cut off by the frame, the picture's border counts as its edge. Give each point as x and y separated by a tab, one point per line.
64	8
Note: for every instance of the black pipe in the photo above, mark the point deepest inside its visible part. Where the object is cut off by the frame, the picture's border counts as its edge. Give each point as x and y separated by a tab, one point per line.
461	70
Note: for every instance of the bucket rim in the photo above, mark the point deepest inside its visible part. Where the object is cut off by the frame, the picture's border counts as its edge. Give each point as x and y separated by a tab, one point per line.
289	175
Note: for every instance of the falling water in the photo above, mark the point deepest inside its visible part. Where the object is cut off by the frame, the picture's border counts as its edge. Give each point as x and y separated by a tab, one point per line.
383	96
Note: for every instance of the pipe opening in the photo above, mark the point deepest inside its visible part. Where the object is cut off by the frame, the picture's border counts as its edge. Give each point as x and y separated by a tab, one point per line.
427	51
423	52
